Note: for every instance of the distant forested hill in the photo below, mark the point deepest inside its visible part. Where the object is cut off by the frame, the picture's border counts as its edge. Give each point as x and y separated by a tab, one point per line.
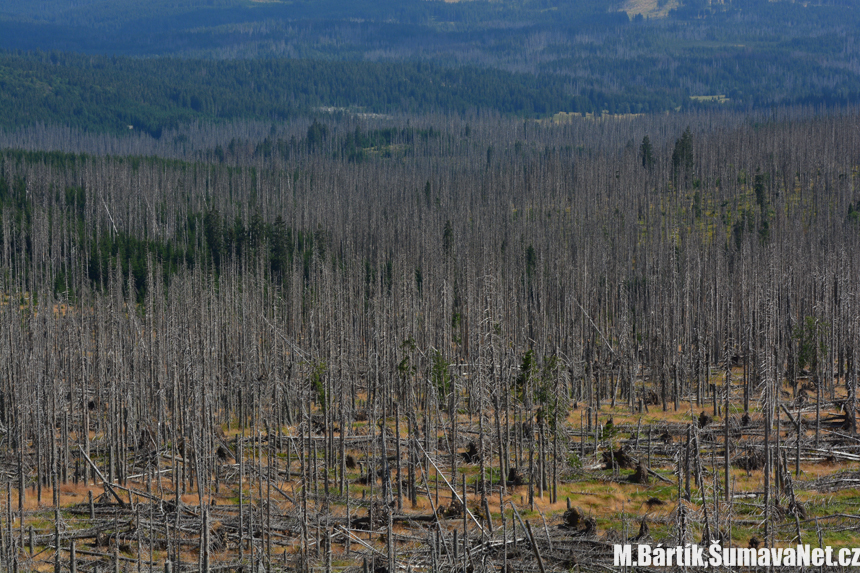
110	94
221	59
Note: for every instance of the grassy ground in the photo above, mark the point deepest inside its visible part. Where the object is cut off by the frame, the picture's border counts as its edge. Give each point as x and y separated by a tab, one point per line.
616	505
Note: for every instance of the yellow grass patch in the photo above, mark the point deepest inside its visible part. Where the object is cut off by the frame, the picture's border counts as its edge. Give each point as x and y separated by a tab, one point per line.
719	98
571	116
70	494
649	8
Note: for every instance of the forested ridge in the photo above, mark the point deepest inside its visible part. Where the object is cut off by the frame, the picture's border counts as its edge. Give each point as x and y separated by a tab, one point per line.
155	66
278	345
115	95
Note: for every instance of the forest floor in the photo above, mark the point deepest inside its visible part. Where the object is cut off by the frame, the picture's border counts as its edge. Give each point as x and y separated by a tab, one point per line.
588	504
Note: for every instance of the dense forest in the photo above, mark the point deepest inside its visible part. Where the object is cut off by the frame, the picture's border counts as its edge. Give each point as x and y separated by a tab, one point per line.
153	64
106	94
276	345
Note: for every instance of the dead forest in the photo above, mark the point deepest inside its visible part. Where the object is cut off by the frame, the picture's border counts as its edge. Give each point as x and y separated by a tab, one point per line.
441	344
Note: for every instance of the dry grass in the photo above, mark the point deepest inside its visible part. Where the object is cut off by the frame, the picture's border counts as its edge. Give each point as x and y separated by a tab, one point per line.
649	8
70	494
718	98
569	117
598	494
